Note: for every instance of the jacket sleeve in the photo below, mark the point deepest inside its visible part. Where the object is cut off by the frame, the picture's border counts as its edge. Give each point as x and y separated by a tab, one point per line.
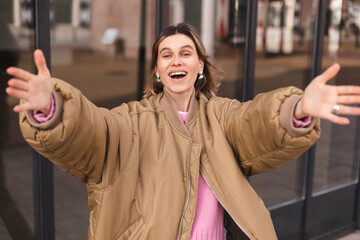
261	131
84	140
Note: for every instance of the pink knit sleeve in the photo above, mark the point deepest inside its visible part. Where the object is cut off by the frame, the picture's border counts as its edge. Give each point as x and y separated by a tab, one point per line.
41	117
302	123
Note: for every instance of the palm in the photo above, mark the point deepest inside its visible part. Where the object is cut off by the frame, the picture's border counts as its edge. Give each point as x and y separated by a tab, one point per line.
33	90
319	98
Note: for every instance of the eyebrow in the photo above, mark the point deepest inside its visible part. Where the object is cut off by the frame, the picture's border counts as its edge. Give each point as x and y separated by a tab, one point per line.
185	46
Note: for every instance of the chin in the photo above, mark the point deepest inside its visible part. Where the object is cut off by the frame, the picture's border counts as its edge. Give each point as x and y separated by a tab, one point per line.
178	90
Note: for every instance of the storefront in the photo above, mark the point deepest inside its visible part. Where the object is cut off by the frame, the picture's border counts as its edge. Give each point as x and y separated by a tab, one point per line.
104	49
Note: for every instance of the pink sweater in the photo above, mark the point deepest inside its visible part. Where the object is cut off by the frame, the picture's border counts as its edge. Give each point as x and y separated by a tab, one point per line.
208	222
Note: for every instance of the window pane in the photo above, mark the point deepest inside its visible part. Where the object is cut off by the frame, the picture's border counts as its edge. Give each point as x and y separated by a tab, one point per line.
284	50
16	196
6	11
98	52
62	10
336	162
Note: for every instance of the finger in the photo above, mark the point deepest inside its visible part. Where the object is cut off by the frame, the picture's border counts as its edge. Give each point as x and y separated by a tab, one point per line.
348	89
17	93
18	84
40	62
22	107
329	73
17	108
348	110
20	73
338	119
348	99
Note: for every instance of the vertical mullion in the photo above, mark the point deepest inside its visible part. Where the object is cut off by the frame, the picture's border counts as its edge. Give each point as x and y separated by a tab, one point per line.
319	38
158	17
142	52
42	28
357	163
162	15
250	51
43	179
316	70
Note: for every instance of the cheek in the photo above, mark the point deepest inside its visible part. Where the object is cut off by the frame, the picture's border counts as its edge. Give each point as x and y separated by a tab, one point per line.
196	69
161	67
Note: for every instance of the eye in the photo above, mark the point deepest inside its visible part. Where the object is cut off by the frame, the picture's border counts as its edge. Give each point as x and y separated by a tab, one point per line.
166	55
186	54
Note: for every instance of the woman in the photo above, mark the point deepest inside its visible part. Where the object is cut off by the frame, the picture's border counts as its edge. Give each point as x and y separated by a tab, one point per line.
168	167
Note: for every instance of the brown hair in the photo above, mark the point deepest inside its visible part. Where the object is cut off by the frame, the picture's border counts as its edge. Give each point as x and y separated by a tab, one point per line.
208	85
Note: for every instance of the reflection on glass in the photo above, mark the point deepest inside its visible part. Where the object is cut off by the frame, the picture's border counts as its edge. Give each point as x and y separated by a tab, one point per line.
336	163
288	26
334	26
95	47
176	11
284	50
230	45
16	199
224	40
273	29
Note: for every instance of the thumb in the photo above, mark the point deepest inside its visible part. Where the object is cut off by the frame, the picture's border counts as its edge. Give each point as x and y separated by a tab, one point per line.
40	62
329	73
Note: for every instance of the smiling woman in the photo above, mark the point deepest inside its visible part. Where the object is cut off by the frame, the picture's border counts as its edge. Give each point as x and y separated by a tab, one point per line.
178	67
206	81
180	157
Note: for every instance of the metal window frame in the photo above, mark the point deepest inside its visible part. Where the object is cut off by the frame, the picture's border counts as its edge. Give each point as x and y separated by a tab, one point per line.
250	52
357	200
142	52
162	15
43	178
315	70
43	169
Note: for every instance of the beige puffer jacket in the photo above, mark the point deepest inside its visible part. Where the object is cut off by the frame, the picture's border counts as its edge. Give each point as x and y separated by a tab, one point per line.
141	163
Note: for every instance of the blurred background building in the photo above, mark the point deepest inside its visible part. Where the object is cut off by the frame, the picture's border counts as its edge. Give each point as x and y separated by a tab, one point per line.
104	49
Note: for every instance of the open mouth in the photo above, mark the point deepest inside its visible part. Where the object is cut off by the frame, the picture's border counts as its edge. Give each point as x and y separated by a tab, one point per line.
177	75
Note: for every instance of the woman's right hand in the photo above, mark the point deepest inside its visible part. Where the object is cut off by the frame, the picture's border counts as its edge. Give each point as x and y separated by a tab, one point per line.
34	90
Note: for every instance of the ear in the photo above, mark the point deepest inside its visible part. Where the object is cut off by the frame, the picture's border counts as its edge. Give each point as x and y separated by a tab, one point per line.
156	71
201	66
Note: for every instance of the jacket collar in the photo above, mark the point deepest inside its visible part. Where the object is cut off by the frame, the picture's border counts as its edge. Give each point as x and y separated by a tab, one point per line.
172	114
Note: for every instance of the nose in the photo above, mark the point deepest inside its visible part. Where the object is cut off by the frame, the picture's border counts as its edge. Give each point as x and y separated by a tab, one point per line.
177	60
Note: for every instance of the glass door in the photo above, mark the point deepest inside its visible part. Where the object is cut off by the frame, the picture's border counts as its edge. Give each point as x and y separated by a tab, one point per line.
332	206
314	197
16	195
96	47
284	49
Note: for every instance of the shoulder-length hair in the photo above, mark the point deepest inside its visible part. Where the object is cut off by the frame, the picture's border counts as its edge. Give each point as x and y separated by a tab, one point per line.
207	85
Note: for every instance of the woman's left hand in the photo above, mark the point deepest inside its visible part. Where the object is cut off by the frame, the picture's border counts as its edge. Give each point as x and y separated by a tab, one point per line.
329	101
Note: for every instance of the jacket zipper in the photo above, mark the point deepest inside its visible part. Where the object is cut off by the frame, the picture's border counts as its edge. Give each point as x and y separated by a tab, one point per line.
242	229
187	194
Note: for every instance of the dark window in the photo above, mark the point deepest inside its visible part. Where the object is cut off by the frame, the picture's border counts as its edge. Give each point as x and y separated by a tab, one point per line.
62	11
6	11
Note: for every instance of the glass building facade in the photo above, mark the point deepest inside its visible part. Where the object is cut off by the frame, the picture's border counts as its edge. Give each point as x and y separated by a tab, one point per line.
104	49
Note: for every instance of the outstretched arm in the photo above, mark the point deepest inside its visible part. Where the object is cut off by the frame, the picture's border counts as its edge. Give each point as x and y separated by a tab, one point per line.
327	101
34	90
85	141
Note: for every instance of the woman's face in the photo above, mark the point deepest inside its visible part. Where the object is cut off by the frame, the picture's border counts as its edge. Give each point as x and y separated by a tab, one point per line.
178	64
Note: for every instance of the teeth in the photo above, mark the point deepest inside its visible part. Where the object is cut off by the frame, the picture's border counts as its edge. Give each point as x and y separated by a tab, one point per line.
177	74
